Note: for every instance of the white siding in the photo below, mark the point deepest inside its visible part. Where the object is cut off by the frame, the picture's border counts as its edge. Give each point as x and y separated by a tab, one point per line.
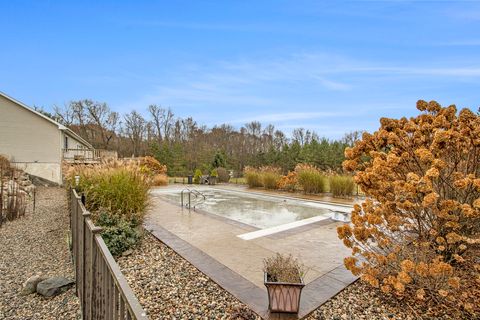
30	141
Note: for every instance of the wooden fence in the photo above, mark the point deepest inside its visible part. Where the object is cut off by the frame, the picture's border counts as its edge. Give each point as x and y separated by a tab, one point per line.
101	287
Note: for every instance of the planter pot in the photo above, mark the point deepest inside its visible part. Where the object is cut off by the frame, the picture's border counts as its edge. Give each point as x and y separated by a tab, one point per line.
283	296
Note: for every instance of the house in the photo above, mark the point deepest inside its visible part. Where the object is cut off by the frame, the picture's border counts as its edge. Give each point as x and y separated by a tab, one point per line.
36	143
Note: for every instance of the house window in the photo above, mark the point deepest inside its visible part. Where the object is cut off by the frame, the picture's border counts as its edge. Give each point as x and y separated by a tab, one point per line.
65	143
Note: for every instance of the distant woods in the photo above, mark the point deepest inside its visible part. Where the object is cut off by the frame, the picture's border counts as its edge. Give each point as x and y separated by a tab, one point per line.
184	145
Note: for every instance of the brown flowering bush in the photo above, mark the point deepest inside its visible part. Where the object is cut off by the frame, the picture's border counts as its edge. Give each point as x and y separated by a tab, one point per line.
418	232
155	170
288	182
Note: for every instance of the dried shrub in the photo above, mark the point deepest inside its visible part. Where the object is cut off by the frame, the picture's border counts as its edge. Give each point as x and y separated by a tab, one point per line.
223	175
417	234
160	180
310	178
289	182
13	197
153	165
5	166
341	186
155	170
283	268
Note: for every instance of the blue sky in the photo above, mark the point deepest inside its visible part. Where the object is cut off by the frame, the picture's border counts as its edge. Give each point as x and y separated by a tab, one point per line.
331	66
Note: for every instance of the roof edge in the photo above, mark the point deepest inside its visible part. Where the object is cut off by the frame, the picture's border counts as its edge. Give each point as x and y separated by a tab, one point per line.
59	125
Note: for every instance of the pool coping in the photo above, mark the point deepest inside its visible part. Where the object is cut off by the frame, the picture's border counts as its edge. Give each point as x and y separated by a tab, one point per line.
314	293
287	196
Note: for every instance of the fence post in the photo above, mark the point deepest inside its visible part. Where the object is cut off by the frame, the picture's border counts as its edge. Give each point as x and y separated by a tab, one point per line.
74	222
81	253
93	269
85	229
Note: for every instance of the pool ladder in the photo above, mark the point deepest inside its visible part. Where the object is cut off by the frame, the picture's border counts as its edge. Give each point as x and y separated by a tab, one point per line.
198	198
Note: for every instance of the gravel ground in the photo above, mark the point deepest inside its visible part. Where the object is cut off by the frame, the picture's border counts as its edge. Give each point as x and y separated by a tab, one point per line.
37	243
358	301
169	287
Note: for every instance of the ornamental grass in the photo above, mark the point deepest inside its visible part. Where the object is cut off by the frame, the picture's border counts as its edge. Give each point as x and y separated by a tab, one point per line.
341	186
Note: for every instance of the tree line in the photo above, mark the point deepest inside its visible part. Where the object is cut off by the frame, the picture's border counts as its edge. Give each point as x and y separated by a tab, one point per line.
185	145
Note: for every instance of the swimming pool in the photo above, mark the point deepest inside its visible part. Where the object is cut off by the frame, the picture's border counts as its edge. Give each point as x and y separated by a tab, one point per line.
258	210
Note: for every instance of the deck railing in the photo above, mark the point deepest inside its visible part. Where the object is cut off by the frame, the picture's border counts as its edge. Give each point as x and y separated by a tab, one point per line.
100	285
88	154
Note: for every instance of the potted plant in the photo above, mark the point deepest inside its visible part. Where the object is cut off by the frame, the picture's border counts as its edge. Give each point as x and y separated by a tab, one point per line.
283	277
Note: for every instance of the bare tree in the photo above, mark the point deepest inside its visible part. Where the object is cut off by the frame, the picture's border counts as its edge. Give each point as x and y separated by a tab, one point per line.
168	123
298	135
158	114
134	128
352	137
105	121
64	114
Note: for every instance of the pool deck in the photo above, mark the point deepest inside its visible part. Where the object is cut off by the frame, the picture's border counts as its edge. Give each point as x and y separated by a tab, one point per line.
211	243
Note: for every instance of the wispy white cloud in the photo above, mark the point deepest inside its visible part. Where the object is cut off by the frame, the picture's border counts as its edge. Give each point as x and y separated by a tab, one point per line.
300	88
290	116
240	82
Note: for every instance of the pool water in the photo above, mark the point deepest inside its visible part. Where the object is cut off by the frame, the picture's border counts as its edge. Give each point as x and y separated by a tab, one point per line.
256	210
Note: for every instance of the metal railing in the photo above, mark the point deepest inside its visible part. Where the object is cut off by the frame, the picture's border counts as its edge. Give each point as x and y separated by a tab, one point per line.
100	285
88	154
198	198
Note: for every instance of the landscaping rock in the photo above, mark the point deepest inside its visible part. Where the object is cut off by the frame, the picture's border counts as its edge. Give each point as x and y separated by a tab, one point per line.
30	286
168	287
128	252
54	286
32	245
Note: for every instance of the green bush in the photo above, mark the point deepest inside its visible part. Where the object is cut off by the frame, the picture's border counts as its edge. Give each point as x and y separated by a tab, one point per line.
270	180
341	186
311	181
214	173
223	175
119	235
197	176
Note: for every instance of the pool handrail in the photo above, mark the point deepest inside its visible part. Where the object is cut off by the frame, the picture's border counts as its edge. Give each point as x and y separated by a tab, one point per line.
196	193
